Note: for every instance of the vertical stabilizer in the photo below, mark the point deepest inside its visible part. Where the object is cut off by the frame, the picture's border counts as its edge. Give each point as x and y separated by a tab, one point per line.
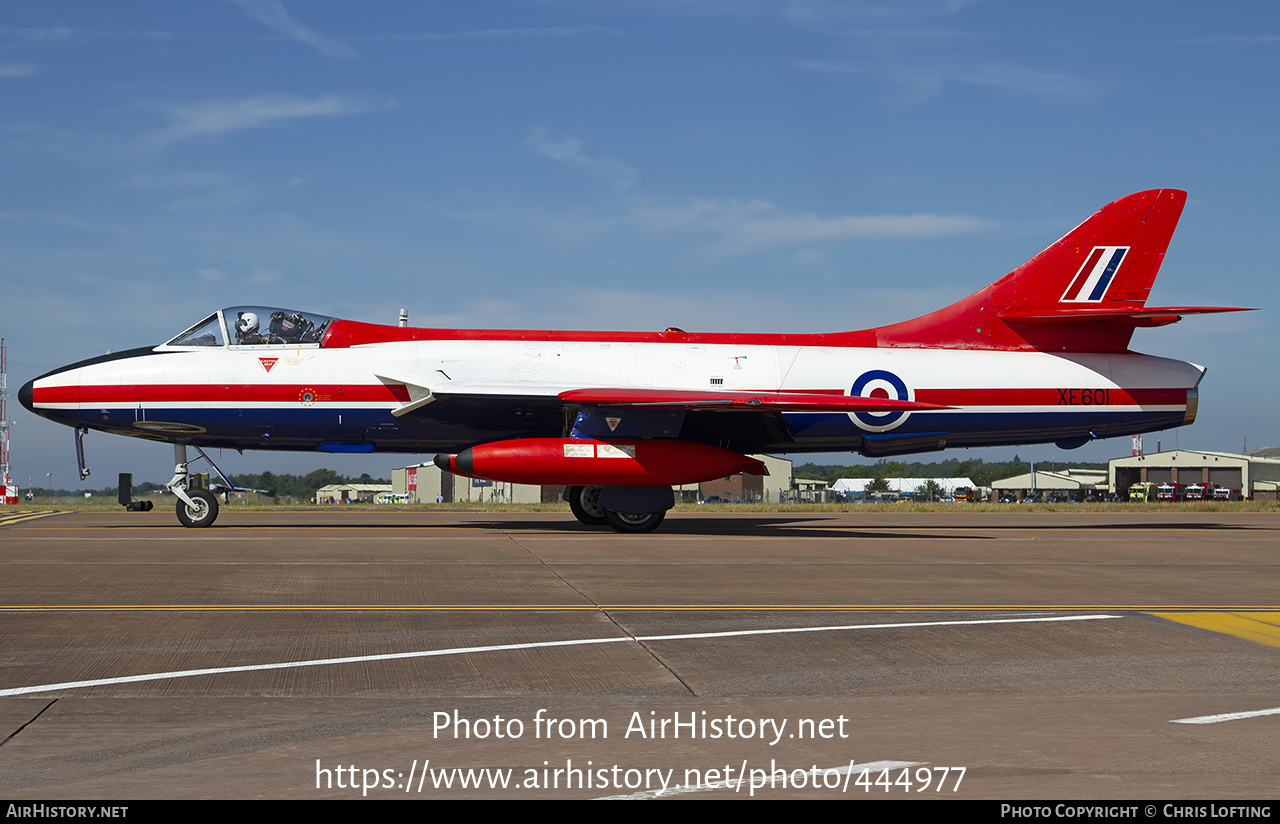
1087	292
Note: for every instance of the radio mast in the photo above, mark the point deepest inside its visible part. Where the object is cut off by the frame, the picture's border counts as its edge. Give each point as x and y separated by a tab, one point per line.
4	417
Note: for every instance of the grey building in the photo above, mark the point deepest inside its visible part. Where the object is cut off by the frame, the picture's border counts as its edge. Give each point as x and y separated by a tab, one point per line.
427	483
1254	477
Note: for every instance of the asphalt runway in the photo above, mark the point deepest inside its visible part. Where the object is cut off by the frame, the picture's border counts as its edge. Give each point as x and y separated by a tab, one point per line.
445	654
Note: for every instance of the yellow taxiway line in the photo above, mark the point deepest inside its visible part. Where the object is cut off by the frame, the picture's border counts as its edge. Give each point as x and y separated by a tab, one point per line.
1259	627
1175	612
7	518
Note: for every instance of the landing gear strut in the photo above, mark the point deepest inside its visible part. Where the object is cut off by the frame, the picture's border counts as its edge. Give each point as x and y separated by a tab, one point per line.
197	507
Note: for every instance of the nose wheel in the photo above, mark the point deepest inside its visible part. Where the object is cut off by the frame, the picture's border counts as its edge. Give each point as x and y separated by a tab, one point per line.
197	507
201	511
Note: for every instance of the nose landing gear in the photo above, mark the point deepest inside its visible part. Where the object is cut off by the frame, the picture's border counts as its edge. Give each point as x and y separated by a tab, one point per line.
201	512
197	507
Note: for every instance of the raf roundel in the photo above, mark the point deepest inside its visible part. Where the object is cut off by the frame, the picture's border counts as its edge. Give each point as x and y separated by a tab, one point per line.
880	383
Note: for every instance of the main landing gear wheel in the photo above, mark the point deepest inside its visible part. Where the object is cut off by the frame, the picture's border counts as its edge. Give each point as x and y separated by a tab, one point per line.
584	502
203	513
624	522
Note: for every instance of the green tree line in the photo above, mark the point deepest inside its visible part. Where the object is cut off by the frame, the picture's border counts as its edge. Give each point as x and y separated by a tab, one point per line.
300	486
978	470
284	485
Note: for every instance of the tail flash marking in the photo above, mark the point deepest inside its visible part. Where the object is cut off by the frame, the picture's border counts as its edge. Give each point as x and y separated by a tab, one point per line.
1099	270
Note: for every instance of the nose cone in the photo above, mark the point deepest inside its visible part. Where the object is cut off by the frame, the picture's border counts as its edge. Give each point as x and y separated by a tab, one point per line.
60	388
49	394
25	395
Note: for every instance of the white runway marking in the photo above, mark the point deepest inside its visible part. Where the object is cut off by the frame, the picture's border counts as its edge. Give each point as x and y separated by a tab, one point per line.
393	656
1226	716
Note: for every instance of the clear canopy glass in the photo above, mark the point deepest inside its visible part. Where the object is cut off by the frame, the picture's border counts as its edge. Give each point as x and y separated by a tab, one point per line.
255	326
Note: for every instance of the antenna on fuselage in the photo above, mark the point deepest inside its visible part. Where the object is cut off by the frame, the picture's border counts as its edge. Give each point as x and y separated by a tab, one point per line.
404	317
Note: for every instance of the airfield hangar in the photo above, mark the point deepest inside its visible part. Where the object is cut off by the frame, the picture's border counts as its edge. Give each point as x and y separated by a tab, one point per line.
1255	477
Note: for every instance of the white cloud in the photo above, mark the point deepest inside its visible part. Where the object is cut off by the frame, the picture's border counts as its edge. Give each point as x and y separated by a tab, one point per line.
35	217
826	11
16	69
569	150
1031	81
264	275
734	225
508	34
193	120
1231	38
719	225
729	226
695	308
272	13
66	34
193	190
923	79
738	226
178	180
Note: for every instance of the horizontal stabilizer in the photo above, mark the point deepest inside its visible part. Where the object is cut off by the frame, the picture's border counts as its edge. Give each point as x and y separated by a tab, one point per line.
1138	316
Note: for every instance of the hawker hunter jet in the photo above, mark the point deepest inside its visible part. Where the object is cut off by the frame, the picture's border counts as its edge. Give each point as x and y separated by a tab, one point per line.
1040	356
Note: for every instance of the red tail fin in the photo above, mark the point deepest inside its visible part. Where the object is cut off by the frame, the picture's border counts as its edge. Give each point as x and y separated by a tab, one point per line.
1085	293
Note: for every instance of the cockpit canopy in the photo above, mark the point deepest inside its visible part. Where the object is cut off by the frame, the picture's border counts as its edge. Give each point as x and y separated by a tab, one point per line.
255	326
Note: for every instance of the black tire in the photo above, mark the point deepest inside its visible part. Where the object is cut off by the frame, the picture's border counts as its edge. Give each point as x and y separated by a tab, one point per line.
584	502
203	514
635	524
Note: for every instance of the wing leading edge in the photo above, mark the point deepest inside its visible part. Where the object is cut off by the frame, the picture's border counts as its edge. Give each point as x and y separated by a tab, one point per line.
745	401
688	399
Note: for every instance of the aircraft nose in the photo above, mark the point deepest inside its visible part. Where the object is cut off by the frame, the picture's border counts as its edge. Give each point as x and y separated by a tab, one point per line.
26	395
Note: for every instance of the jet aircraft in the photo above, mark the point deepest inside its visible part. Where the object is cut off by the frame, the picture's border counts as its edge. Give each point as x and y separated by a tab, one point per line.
1039	356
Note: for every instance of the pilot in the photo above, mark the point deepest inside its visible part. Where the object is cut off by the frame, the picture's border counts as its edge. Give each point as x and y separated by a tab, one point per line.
247	329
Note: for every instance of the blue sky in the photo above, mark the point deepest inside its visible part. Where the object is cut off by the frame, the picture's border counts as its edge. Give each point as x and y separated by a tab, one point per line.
713	165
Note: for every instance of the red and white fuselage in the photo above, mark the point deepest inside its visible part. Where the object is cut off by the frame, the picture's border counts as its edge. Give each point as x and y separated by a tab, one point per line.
1041	355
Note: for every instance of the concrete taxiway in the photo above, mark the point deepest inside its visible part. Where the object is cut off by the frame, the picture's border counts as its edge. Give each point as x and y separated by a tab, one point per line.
342	654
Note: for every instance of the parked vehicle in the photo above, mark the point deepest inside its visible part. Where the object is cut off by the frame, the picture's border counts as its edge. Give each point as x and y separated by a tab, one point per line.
1198	492
1144	491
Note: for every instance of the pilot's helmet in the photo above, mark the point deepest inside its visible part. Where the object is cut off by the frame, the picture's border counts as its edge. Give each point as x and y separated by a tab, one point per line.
246	324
